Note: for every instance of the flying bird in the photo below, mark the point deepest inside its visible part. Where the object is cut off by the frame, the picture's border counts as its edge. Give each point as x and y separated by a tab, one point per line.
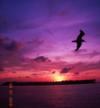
79	40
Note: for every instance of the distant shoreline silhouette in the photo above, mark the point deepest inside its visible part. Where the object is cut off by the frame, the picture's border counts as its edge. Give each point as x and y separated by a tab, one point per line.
51	83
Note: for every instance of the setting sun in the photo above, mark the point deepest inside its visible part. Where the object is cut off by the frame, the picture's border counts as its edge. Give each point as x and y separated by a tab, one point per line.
58	77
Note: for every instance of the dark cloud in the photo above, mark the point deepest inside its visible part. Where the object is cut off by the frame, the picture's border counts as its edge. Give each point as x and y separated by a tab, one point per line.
76	73
1	41
65	70
8	44
11	46
14	72
41	59
10	52
27	76
1	69
34	74
53	72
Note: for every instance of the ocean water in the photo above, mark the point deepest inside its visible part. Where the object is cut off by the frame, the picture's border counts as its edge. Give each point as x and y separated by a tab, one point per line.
60	96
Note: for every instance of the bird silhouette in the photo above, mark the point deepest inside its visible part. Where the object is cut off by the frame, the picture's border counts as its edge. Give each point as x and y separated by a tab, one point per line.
79	40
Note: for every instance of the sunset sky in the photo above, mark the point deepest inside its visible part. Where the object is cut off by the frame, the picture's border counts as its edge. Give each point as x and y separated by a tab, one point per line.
36	40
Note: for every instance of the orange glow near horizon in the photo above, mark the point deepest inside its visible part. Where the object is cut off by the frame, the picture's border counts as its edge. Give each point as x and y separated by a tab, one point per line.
58	77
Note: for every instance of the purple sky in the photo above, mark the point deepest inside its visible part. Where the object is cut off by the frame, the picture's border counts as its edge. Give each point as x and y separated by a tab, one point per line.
36	38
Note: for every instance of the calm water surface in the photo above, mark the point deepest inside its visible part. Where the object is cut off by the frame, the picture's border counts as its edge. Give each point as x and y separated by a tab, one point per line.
63	96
